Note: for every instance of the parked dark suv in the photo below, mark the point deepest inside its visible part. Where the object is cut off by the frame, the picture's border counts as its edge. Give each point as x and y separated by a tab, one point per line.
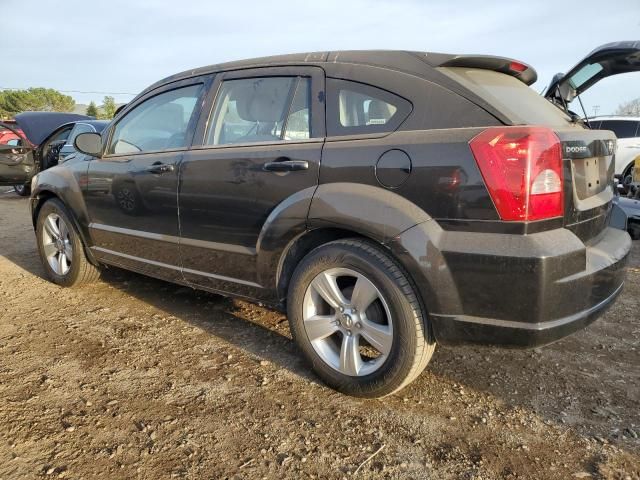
387	200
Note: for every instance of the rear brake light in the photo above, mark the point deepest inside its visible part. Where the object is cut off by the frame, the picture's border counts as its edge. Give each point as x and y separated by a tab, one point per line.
522	168
517	67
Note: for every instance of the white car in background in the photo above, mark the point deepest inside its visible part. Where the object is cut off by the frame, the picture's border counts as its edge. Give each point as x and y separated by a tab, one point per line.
627	129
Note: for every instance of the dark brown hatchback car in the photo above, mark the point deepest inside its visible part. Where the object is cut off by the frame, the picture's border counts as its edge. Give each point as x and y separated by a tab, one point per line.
386	200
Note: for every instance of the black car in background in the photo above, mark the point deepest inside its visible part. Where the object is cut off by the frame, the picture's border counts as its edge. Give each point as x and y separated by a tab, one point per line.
388	200
45	138
84	126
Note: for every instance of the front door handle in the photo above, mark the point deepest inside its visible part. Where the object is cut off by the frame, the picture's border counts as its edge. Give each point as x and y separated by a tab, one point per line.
160	168
286	166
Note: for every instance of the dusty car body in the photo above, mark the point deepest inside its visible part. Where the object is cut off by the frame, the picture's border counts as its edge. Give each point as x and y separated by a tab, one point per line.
387	200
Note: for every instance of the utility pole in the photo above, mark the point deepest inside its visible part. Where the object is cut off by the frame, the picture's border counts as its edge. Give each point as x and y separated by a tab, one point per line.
596	109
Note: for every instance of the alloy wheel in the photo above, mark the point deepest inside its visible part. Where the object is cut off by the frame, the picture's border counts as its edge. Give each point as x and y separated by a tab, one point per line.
56	243
347	321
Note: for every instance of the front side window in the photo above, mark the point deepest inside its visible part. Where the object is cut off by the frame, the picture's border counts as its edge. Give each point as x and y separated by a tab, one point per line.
622	128
159	123
263	109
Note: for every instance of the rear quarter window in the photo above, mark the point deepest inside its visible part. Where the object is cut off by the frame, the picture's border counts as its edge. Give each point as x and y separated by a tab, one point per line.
357	108
518	102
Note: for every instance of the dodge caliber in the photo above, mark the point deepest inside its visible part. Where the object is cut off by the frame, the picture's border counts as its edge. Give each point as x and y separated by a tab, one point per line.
386	200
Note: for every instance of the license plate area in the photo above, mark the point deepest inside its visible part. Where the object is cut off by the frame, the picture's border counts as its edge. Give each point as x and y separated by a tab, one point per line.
589	176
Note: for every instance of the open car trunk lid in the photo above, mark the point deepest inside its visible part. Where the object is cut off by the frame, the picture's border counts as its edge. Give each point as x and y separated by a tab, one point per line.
607	60
588	171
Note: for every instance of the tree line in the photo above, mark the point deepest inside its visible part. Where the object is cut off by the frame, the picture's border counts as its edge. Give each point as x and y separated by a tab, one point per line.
630	108
13	102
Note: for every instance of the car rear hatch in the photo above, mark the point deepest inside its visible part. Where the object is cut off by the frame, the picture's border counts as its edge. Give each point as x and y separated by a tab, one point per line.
587	154
605	61
588	164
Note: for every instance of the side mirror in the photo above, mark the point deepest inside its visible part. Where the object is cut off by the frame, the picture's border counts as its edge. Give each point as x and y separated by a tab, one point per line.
89	143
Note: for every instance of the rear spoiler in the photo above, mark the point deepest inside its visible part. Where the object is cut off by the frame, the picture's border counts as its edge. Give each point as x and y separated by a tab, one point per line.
523	72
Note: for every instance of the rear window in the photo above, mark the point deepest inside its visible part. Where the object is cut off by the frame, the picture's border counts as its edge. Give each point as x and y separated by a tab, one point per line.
622	128
356	108
520	103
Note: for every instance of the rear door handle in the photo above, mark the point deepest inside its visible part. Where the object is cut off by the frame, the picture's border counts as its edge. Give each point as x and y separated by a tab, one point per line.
160	168
286	166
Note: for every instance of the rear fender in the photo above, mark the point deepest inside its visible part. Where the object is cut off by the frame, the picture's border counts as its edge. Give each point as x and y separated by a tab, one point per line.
285	223
374	212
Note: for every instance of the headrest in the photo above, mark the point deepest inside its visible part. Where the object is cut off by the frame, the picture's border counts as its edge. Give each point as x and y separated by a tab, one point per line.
262	101
379	111
168	117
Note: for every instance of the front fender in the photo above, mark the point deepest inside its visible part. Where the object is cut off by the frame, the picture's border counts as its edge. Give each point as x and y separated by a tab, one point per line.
63	182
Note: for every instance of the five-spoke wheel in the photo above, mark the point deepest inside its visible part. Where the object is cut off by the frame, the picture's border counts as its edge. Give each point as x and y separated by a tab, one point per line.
57	244
348	321
357	318
60	246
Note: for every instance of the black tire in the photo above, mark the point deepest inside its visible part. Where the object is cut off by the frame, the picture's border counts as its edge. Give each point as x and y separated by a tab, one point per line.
412	344
81	271
22	190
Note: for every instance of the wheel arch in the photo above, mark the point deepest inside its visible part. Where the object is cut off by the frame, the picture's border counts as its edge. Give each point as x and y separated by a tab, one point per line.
62	184
316	216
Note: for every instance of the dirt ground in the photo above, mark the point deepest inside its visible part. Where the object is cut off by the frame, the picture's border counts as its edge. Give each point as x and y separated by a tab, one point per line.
137	378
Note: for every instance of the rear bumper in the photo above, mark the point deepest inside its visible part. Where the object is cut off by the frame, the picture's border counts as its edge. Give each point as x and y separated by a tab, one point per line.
513	290
489	331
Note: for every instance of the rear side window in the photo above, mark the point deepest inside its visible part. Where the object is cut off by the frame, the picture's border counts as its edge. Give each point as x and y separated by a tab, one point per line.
262	109
356	108
622	128
518	102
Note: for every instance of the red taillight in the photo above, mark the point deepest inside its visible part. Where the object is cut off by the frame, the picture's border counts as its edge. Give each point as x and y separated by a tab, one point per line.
517	67
522	168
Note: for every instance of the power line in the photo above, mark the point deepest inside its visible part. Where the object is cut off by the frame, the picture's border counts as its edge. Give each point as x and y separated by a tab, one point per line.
77	91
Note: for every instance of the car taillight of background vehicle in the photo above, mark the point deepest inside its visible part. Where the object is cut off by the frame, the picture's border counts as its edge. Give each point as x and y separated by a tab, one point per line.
522	168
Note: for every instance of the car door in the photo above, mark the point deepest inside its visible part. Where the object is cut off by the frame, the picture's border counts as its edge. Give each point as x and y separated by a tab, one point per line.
131	192
16	157
260	144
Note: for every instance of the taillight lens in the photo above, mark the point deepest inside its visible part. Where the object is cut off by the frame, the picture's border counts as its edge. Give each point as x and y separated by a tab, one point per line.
522	168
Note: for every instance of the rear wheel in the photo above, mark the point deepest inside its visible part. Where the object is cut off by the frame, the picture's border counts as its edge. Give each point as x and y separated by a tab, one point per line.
357	318
60	247
22	190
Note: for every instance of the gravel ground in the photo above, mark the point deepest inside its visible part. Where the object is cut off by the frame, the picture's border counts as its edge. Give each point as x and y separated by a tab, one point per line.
137	378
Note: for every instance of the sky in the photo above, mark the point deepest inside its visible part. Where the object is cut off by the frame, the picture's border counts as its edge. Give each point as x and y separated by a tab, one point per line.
120	47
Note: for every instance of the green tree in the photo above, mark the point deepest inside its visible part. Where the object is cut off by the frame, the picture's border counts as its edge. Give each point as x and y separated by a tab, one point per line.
108	108
92	110
630	108
34	99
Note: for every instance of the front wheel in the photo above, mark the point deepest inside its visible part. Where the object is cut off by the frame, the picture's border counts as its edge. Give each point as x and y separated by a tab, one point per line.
357	318
60	247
